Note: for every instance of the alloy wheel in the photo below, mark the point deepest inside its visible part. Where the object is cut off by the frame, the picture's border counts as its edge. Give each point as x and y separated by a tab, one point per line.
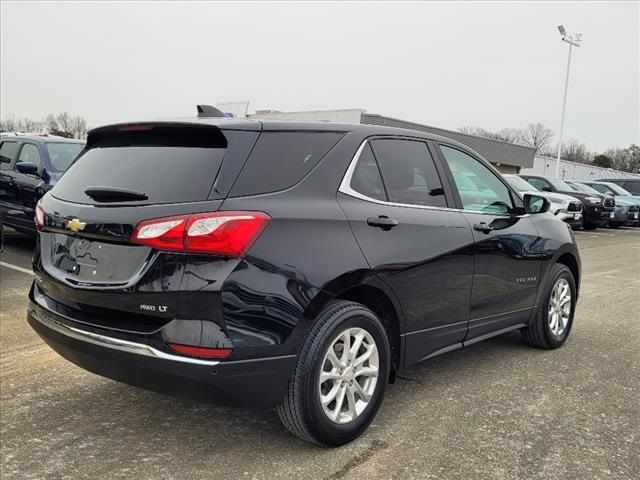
559	307
349	375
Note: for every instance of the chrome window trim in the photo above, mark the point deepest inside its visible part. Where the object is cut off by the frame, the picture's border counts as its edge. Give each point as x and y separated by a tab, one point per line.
345	187
116	343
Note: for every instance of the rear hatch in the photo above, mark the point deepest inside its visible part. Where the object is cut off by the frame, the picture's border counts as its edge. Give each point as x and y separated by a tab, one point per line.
87	266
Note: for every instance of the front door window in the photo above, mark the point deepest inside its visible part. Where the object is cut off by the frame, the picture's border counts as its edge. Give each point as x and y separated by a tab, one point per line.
31	154
479	188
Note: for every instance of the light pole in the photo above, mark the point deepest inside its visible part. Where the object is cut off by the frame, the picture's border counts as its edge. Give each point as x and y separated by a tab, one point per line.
573	41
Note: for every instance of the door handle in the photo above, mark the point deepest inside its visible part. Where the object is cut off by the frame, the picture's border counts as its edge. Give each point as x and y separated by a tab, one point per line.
483	227
383	222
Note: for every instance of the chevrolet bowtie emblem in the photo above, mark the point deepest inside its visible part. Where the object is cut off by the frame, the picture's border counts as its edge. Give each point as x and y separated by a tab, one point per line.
75	225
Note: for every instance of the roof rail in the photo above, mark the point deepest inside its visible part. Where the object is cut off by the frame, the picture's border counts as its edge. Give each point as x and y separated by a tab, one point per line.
209	111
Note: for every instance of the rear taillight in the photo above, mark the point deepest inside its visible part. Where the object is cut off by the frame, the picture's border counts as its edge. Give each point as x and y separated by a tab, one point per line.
202	352
230	233
38	218
222	233
161	234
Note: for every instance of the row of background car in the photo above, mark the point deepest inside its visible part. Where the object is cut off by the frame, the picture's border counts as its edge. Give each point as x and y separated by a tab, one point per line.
586	204
31	164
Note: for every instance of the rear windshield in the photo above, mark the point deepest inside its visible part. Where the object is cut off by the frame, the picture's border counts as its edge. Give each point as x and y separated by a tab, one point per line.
281	159
62	154
167	164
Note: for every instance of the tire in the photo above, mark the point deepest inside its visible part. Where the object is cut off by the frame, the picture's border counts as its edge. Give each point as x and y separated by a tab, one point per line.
590	226
540	331
615	225
302	412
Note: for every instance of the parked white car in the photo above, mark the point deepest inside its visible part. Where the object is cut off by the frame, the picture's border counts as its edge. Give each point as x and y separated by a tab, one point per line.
565	207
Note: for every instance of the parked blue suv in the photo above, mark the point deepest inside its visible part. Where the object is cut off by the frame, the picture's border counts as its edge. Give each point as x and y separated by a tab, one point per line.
29	167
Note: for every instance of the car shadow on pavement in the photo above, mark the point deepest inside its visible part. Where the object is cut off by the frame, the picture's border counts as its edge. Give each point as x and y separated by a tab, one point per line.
177	423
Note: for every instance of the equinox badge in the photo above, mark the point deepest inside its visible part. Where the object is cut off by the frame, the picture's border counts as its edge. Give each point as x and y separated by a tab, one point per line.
75	225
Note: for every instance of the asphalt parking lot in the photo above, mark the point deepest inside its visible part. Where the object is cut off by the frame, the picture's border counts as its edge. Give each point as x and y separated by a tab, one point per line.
498	409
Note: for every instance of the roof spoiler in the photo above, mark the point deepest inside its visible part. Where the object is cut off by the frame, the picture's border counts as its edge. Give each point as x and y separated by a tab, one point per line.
205	111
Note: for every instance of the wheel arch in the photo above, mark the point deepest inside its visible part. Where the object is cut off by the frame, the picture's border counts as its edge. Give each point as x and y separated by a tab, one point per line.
379	303
366	288
566	255
571	262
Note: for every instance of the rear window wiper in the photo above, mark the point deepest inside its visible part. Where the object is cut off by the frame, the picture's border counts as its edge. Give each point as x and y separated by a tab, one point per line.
114	194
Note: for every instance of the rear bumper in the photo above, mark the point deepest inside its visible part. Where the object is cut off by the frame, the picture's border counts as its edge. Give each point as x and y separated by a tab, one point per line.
255	383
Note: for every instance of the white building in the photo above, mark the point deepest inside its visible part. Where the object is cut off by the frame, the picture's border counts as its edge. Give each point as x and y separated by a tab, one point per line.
572	170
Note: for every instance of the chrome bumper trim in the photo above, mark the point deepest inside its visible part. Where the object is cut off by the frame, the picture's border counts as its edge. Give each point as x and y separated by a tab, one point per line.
116	343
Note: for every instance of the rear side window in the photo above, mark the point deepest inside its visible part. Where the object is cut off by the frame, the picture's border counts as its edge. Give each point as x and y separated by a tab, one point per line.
168	164
366	177
8	151
408	172
281	159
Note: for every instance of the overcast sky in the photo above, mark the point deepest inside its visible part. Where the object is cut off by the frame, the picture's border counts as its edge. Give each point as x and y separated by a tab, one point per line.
488	65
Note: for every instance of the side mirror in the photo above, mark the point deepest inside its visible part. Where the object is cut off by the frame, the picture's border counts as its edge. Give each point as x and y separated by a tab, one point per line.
546	188
535	203
27	168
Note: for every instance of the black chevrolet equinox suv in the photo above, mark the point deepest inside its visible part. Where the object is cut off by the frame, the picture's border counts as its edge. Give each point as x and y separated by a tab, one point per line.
290	265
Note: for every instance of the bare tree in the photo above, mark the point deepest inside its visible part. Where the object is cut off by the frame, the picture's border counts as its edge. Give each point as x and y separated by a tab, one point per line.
575	151
51	123
505	135
78	127
31	126
65	123
626	159
10	123
510	135
478	132
537	136
468	130
633	153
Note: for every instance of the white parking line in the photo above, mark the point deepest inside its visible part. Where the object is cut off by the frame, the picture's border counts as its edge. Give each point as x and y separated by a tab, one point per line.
16	268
